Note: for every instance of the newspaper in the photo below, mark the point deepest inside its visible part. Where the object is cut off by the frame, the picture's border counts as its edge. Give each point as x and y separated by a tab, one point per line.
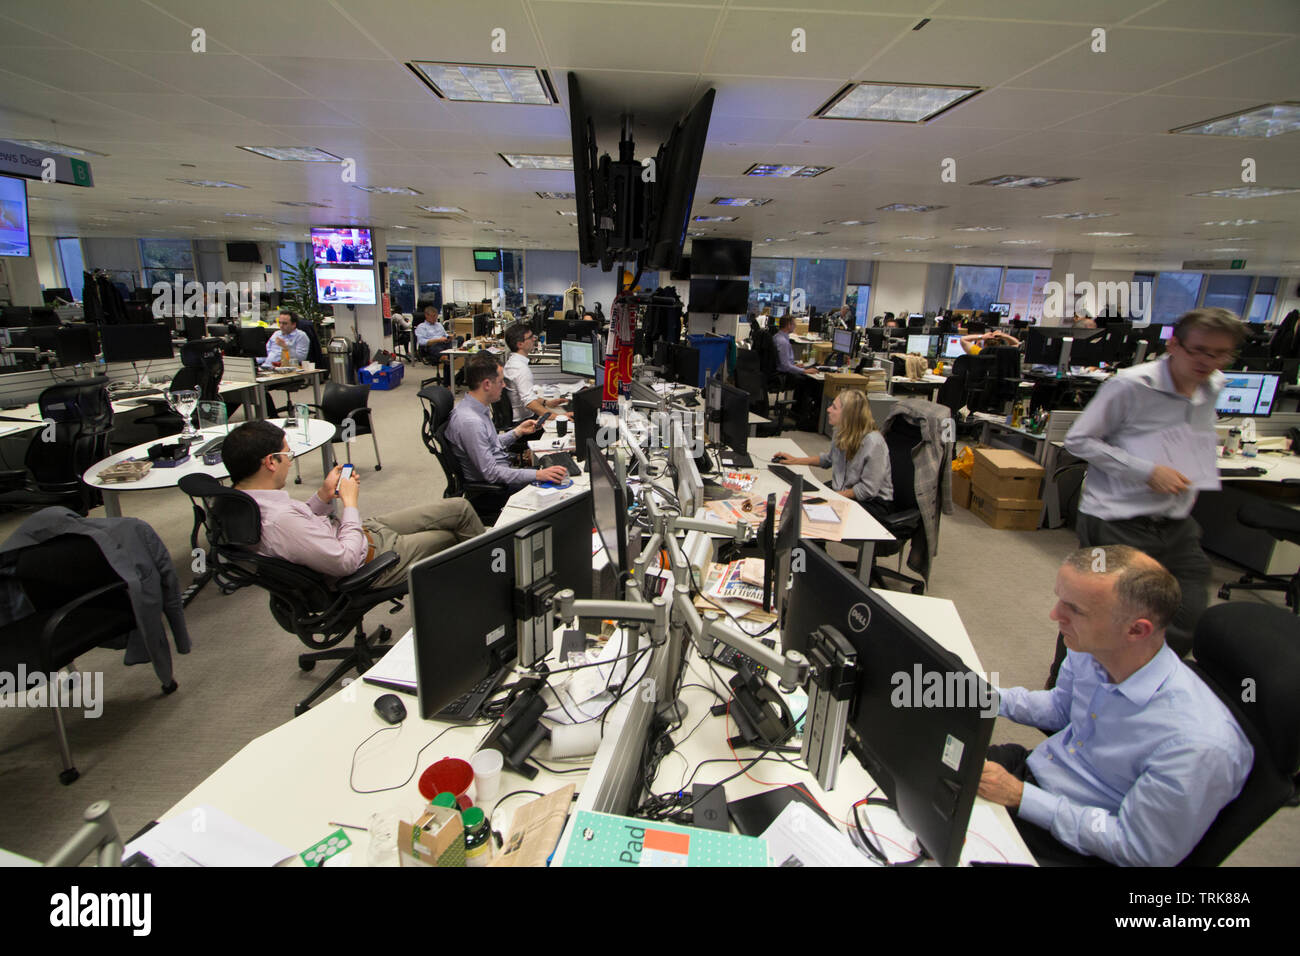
753	509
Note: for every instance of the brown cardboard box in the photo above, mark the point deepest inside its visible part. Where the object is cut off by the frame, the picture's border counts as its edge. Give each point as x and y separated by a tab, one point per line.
1006	514
800	326
436	838
960	490
1003	473
836	382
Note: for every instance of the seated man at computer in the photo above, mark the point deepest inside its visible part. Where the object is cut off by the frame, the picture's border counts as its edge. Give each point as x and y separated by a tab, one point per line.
1143	755
483	453
808	391
258	458
974	344
431	338
288	341
525	401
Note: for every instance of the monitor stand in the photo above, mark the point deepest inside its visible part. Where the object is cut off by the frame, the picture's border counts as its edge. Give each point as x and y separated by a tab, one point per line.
520	730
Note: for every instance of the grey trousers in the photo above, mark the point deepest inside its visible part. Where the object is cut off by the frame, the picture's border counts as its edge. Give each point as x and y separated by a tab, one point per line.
420	531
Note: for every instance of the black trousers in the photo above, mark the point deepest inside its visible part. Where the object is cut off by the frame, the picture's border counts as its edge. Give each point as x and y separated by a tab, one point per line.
1047	850
1175	543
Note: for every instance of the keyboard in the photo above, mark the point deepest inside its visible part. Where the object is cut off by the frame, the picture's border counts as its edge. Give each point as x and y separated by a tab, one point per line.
564	459
736	460
1251	471
731	658
784	473
132	393
466	708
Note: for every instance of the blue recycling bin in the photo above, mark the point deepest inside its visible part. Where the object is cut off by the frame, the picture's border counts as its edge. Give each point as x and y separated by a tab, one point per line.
713	350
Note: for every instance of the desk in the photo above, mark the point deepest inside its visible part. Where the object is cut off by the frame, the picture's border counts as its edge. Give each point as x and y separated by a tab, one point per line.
319	434
1216	513
928	385
259	386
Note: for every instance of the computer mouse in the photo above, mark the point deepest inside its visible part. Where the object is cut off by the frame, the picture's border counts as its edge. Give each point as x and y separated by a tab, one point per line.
391	708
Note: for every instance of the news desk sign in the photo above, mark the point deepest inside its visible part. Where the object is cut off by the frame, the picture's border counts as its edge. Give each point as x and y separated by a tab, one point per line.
31	163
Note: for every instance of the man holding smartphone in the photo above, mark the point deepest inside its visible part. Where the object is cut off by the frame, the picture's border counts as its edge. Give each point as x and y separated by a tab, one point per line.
258	458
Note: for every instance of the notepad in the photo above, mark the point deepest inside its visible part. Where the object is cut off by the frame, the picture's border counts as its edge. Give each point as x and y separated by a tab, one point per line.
821	513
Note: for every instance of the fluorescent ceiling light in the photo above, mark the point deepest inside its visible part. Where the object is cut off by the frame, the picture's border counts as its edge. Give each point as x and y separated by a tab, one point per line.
529	161
484	83
390	190
849	222
59	149
893	102
965	246
243	215
799	232
713	218
289	202
554	195
440	208
1262	122
1234	222
484	222
1076	216
1019	181
980	229
915	238
909	207
296	154
1108	235
1231	249
1020	242
738	201
209	183
566	212
1228	238
773	239
403	227
163	202
1248	192
501	230
914	250
785	172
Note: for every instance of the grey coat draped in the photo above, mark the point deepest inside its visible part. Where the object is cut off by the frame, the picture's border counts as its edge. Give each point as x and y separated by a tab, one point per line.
932	465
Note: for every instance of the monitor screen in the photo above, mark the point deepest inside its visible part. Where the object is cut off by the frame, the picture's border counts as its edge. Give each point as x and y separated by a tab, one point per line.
243	252
1248	393
15	240
1001	308
332	245
920	344
720	257
842	342
608	508
686	365
586	411
345	286
578	358
1166	333
136	343
76	344
952	346
719	296
487	260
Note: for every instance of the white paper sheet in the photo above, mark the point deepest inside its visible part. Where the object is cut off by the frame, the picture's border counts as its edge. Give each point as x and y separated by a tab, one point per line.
204	836
799	837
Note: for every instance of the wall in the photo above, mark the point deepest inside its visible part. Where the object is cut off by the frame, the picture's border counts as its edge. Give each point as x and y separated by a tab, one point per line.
899	288
47	268
458	263
20	278
549	272
1288	296
112	254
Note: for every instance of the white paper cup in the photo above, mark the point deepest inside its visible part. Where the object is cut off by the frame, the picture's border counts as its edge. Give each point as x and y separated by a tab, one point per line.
487	766
309	366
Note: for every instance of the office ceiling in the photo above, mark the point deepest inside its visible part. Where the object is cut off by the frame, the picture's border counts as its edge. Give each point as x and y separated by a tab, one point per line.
121	79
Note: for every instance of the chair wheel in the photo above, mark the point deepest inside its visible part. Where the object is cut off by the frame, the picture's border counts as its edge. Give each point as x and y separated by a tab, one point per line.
1225	593
379	467
383	634
170	688
305	664
68	776
300	709
918	588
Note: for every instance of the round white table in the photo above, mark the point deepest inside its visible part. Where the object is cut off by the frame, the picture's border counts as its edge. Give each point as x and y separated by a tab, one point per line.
317	434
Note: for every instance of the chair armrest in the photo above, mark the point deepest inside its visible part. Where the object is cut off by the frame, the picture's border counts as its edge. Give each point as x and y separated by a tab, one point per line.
56	620
370	572
363	411
902	521
13	480
483	488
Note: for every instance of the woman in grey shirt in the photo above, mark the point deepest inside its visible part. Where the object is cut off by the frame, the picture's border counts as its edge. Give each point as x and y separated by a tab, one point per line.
859	457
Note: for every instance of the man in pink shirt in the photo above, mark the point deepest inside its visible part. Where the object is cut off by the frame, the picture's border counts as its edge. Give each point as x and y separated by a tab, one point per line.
258	458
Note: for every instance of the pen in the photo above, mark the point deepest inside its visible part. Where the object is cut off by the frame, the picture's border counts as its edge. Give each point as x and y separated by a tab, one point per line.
348	826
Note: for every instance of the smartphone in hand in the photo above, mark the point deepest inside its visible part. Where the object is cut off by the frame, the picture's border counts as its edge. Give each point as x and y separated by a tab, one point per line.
543	419
347	473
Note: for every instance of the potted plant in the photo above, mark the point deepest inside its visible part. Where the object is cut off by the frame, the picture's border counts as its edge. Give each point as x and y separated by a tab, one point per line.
300	291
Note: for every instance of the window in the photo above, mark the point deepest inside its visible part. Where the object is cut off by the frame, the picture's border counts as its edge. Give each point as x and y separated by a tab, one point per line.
1262	302
822	281
512	280
975	287
428	275
1023	289
769	285
1176	294
401	279
292	253
1227	292
72	264
859	300
164	259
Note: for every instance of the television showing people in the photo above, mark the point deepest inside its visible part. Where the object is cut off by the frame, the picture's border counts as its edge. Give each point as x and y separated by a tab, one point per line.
346	286
350	246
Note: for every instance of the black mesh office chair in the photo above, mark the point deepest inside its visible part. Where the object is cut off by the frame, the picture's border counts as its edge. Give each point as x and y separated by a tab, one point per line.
82	417
904	518
347	408
77	603
1283	524
1257	645
303	602
486	498
778	386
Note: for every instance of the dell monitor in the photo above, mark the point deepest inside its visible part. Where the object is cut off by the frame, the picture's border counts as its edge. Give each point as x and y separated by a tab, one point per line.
608	509
136	343
578	358
776	557
842	342
686	365
918	344
952	347
487	260
76	344
586	412
1248	394
925	754
690	488
1002	309
455	652
728	416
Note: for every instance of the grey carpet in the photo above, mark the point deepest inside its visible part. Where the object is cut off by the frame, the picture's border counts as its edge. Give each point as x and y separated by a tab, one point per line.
147	751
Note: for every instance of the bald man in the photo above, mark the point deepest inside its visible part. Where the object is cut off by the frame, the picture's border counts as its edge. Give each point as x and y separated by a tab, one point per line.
1143	755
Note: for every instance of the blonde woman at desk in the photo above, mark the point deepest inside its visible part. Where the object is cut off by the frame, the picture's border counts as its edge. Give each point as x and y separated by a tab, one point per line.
859	457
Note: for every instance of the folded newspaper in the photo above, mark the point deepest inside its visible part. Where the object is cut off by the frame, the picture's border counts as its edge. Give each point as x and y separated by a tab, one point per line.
125	471
741	581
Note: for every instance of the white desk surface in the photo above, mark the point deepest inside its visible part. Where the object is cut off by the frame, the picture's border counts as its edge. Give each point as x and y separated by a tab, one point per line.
1276	467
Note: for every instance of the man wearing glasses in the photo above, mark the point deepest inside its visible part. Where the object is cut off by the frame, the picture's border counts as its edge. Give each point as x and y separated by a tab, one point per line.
524	398
1148	438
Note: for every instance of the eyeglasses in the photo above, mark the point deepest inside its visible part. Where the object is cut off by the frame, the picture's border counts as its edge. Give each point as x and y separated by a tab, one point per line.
1227	355
279	454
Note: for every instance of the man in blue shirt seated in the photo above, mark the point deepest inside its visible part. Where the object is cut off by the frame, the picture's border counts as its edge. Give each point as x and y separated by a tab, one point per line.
431	338
807	390
1143	755
288	337
484	455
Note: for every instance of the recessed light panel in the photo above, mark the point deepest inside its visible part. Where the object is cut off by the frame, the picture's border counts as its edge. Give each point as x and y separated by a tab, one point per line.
1248	192
713	219
894	102
785	172
482	83
529	161
980	229
909	207
58	149
1262	122
440	208
551	195
209	183
738	201
1108	235
849	222
391	190
294	154
1018	181
1078	216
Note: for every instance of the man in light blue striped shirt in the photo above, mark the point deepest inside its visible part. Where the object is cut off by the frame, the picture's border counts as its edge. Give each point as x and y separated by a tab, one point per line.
1143	755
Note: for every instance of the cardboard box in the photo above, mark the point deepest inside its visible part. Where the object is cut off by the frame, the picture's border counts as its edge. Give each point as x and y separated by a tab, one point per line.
800	326
961	489
436	838
836	382
1005	514
1003	473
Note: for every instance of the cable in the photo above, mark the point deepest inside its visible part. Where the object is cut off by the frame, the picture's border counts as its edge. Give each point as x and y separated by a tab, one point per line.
513	793
553	770
353	768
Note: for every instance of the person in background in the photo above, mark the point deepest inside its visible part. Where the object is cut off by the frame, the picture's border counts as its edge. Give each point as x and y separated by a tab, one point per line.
288	337
974	344
859	457
525	400
431	338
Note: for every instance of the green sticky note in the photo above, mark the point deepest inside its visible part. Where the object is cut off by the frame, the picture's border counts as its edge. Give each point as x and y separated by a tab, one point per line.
325	848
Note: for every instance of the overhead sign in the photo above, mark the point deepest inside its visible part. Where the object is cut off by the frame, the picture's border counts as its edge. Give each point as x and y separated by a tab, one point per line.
1214	264
31	163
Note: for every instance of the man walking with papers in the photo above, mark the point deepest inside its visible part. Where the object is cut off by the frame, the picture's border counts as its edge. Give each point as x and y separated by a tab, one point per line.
1148	438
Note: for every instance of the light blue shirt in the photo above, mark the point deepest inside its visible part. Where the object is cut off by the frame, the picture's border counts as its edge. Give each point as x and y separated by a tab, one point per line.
298	343
1136	772
480	449
785	355
424	332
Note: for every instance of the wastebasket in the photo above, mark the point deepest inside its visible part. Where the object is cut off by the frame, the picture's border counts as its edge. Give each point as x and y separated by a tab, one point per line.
340	352
713	350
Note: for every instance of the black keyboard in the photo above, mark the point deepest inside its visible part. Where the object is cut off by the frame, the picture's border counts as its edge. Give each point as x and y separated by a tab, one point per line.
563	459
731	658
737	460
1251	471
784	473
467	707
132	393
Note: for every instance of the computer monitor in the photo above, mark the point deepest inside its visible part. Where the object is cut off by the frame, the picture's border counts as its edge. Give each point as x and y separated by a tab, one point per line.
578	358
686	365
925	751
44	315
453	652
15	316
952	347
586	411
728	416
919	344
876	339
51	296
1043	343
252	342
608	509
690	488
1002	309
776	557
1248	394
1166	333
816	322
842	341
136	343
76	344
196	327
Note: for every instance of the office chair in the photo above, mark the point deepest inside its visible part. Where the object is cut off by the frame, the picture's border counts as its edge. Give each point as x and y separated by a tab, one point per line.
314	355
904	518
83	417
1260	643
486	498
777	385
78	603
304	602
957	392
344	404
1283	524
